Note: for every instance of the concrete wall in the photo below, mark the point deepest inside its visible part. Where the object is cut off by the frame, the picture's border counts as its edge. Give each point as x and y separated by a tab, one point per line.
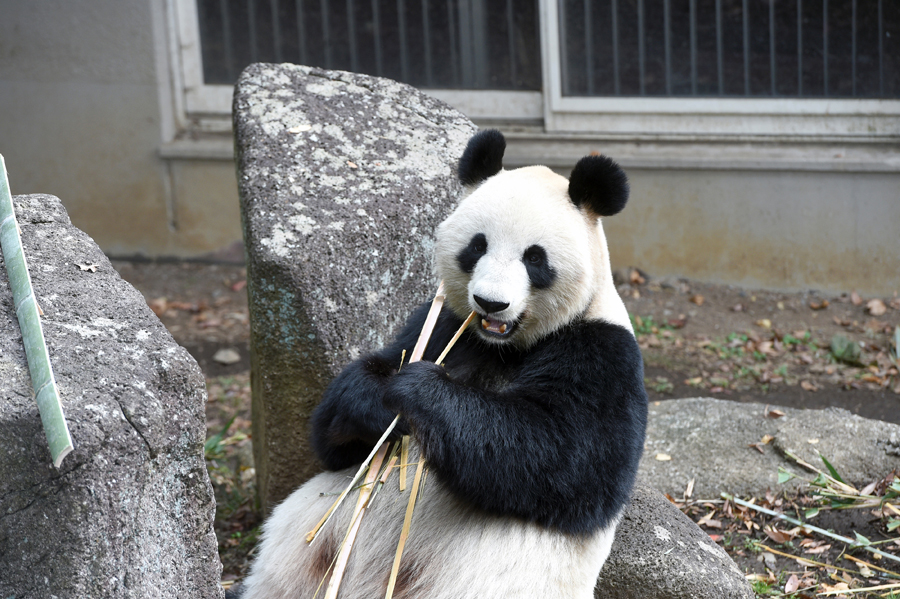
80	107
782	230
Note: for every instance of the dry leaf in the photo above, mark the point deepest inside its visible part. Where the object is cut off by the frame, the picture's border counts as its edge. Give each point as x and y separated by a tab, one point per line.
764	323
792	584
697	299
854	298
779	536
774	413
87	267
351	164
766	439
300	128
808	386
635	278
663	457
819	305
757	447
876	307
780	305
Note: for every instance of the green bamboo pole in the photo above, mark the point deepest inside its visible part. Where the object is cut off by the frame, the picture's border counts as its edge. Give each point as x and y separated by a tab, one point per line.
42	380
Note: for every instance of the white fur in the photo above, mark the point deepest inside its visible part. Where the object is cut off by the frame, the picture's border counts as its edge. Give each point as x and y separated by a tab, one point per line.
458	552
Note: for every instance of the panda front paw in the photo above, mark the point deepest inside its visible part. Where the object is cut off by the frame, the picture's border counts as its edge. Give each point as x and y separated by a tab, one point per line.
414	383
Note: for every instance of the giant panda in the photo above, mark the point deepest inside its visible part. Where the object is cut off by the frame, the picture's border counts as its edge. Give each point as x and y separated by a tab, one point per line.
531	428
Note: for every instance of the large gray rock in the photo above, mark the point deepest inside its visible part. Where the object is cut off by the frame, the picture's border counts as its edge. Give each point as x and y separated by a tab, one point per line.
343	179
130	512
659	553
709	440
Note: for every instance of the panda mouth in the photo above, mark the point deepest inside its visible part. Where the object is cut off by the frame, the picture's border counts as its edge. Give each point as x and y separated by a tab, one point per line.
497	328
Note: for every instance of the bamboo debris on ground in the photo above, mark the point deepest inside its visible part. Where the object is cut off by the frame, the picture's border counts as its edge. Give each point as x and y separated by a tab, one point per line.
28	313
808	526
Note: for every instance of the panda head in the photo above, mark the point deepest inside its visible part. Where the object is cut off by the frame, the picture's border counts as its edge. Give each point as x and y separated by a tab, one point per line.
525	248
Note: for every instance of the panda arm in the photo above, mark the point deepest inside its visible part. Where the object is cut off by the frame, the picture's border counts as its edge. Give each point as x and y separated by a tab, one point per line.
351	416
559	446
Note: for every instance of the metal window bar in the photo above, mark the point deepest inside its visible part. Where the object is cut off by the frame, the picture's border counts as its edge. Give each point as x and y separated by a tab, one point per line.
880	49
588	47
667	41
772	46
426	33
404	44
226	36
276	30
301	32
251	26
825	45
351	34
614	21
720	52
853	44
693	29
379	53
799	47
511	41
642	58
745	21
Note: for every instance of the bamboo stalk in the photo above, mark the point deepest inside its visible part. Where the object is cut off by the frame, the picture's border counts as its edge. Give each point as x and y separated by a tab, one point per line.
28	313
404	532
821	531
872	566
364	494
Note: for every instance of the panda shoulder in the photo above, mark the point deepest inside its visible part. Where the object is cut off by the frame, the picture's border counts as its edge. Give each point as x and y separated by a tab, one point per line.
600	342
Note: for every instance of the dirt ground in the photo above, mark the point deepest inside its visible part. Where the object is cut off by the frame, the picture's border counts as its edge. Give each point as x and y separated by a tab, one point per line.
802	350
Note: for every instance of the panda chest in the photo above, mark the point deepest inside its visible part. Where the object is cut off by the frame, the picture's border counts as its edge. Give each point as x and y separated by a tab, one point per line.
483	370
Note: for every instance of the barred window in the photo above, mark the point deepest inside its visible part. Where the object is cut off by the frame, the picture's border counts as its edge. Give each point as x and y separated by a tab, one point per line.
440	44
731	48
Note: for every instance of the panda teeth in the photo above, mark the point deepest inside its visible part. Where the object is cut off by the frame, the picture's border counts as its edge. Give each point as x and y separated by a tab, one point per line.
485	324
503	328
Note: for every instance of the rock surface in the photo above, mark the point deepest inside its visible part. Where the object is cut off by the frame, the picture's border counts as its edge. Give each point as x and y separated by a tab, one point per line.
659	553
343	179
130	512
709	440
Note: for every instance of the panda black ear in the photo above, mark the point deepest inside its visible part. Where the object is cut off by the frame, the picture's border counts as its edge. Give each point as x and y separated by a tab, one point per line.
483	157
598	184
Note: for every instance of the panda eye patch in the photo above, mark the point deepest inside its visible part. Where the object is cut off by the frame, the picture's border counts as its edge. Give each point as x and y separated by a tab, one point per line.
472	253
541	274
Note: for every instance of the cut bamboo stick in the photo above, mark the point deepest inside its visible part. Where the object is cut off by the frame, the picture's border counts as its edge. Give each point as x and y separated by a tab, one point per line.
404	459
404	533
364	493
28	313
456	336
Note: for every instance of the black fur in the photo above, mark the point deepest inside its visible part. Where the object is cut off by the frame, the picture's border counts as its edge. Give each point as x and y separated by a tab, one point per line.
552	435
482	158
472	253
541	274
599	184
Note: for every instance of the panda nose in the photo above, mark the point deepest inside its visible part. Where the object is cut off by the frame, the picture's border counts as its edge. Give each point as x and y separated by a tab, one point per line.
489	306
